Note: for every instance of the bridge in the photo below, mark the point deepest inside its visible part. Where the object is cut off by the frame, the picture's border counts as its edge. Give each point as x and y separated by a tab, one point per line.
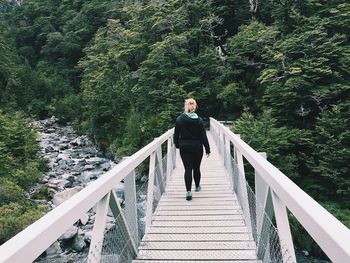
227	221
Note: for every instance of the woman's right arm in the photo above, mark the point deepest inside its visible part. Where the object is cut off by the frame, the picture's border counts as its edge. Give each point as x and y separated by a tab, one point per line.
205	139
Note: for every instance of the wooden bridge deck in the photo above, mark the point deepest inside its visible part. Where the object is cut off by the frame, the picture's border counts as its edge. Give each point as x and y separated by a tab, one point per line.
209	228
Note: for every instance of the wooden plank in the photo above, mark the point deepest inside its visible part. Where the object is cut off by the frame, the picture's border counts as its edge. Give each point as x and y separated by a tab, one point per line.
197	230
197	199
205	173
209	184
196	254
197	223
195	261
186	205
182	189
208	187
199	217
197	237
166	207
200	194
196	245
212	178
213	183
197	212
213	193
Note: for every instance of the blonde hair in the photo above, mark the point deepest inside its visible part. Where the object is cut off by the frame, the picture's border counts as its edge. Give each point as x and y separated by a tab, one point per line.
190	105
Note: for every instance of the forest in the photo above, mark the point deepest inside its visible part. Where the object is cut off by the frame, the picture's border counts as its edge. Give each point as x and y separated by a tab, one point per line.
119	71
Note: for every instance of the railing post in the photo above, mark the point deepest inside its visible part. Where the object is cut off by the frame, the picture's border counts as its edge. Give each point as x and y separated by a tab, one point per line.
173	152
169	166
223	152
228	160
219	141
160	176
98	230
263	205
149	208
243	185
131	205
261	190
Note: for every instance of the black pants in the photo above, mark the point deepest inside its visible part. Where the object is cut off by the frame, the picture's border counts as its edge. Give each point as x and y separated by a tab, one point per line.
191	159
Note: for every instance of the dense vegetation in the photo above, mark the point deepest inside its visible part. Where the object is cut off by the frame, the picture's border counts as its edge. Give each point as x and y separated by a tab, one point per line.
19	169
119	70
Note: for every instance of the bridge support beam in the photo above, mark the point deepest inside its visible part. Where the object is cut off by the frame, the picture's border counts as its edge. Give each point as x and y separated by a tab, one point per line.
170	157
228	163
98	230
160	175
131	205
243	190
269	203
283	228
149	208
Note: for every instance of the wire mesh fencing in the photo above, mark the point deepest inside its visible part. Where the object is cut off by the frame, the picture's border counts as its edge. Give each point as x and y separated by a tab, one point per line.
123	232
270	248
117	243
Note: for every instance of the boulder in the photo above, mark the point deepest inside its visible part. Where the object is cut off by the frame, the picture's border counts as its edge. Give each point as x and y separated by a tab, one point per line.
76	142
60	197
54	154
50	130
88	167
78	243
65	139
95	160
105	166
62	162
88	236
84	219
68	184
69	234
63	146
49	149
54	249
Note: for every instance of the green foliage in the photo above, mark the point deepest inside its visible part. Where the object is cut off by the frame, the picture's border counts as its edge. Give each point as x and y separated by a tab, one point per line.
245	63
43	193
282	145
148	62
20	168
331	152
14	217
49	37
9	192
301	79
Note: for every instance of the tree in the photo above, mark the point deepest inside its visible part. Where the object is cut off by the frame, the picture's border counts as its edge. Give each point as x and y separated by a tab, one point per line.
331	153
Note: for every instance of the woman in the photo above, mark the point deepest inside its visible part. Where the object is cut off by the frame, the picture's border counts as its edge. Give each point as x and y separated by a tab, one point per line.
190	136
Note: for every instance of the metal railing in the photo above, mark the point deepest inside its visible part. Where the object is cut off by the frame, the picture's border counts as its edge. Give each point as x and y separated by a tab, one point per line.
274	194
118	243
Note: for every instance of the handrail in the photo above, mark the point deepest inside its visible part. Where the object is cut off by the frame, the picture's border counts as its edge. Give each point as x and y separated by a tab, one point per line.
34	240
329	233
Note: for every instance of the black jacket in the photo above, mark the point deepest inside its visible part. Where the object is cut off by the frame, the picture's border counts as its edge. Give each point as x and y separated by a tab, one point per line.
190	133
